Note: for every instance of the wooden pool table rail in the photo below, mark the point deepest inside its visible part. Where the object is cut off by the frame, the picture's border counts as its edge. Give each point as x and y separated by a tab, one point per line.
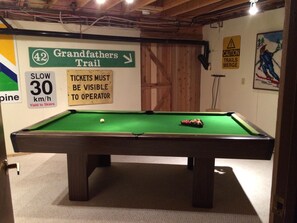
87	150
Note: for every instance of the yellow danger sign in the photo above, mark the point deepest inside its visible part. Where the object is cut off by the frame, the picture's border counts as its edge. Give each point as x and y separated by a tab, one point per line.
231	52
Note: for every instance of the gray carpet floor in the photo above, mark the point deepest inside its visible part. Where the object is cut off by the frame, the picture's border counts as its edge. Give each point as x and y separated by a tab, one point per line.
139	189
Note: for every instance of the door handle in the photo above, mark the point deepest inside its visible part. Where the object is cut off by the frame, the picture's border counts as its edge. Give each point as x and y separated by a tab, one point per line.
5	166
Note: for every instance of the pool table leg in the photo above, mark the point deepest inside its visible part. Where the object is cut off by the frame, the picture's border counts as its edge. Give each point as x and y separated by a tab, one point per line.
78	176
104	160
190	163
203	182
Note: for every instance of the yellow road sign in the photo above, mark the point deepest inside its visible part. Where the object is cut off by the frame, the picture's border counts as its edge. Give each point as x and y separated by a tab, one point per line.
231	52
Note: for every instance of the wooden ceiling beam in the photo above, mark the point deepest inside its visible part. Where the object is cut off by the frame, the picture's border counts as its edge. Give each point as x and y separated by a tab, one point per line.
152	9
81	3
188	6
220	6
138	4
235	12
21	3
169	15
51	3
168	4
109	4
212	8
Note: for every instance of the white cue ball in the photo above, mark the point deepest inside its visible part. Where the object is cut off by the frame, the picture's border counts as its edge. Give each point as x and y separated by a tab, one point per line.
102	120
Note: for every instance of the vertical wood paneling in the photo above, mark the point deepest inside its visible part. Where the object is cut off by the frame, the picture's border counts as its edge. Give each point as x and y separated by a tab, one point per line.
181	78
195	79
177	77
164	76
174	82
145	78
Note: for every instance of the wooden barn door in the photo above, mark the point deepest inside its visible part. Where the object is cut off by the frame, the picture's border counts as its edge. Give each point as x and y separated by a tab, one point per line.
170	78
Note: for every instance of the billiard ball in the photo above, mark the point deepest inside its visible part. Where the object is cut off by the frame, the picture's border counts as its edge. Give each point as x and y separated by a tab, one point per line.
101	120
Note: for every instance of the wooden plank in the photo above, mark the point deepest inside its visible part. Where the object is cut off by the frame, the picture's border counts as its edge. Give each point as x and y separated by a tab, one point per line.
161	75
167	4
161	101
154	92
21	3
178	79
109	4
189	70
167	63
145	78
177	83
81	4
138	4
188	6
194	67
174	75
284	190
214	6
183	87
186	33
159	64
156	85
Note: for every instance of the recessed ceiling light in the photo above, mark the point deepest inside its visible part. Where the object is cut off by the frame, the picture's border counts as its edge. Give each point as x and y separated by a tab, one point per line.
100	1
129	1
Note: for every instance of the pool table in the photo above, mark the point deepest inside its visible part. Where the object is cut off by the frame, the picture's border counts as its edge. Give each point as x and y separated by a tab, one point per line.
89	143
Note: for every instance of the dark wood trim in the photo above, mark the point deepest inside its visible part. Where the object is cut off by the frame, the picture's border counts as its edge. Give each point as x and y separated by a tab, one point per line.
78	186
87	150
203	189
6	212
284	190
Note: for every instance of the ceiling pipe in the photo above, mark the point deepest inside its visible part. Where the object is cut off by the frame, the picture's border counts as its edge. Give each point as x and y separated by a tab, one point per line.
26	32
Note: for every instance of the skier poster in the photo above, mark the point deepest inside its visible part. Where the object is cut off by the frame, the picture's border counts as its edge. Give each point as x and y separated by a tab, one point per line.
268	60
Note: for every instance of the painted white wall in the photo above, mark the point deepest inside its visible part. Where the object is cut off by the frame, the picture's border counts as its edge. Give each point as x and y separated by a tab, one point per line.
236	91
126	81
259	106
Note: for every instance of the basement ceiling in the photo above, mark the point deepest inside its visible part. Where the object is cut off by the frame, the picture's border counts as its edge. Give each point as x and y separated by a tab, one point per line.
147	15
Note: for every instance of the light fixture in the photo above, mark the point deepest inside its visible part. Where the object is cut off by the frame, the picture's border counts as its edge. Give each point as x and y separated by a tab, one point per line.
253	7
103	1
100	1
129	1
145	12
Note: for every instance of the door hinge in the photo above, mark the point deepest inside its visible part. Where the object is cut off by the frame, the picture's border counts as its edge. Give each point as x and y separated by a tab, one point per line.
5	166
278	206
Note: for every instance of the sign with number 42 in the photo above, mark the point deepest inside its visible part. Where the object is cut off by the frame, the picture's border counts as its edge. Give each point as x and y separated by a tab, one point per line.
41	89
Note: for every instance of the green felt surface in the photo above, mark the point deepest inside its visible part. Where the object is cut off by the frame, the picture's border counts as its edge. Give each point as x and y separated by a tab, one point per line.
139	123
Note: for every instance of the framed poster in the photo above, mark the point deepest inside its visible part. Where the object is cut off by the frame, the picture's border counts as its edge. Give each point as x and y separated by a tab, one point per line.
268	60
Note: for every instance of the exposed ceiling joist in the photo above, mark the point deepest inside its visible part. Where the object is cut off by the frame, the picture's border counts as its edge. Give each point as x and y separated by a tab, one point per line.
138	4
109	5
215	6
81	3
167	16
167	4
188	6
21	3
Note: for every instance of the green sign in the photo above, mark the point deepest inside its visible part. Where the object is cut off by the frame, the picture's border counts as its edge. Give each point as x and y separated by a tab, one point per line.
60	57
